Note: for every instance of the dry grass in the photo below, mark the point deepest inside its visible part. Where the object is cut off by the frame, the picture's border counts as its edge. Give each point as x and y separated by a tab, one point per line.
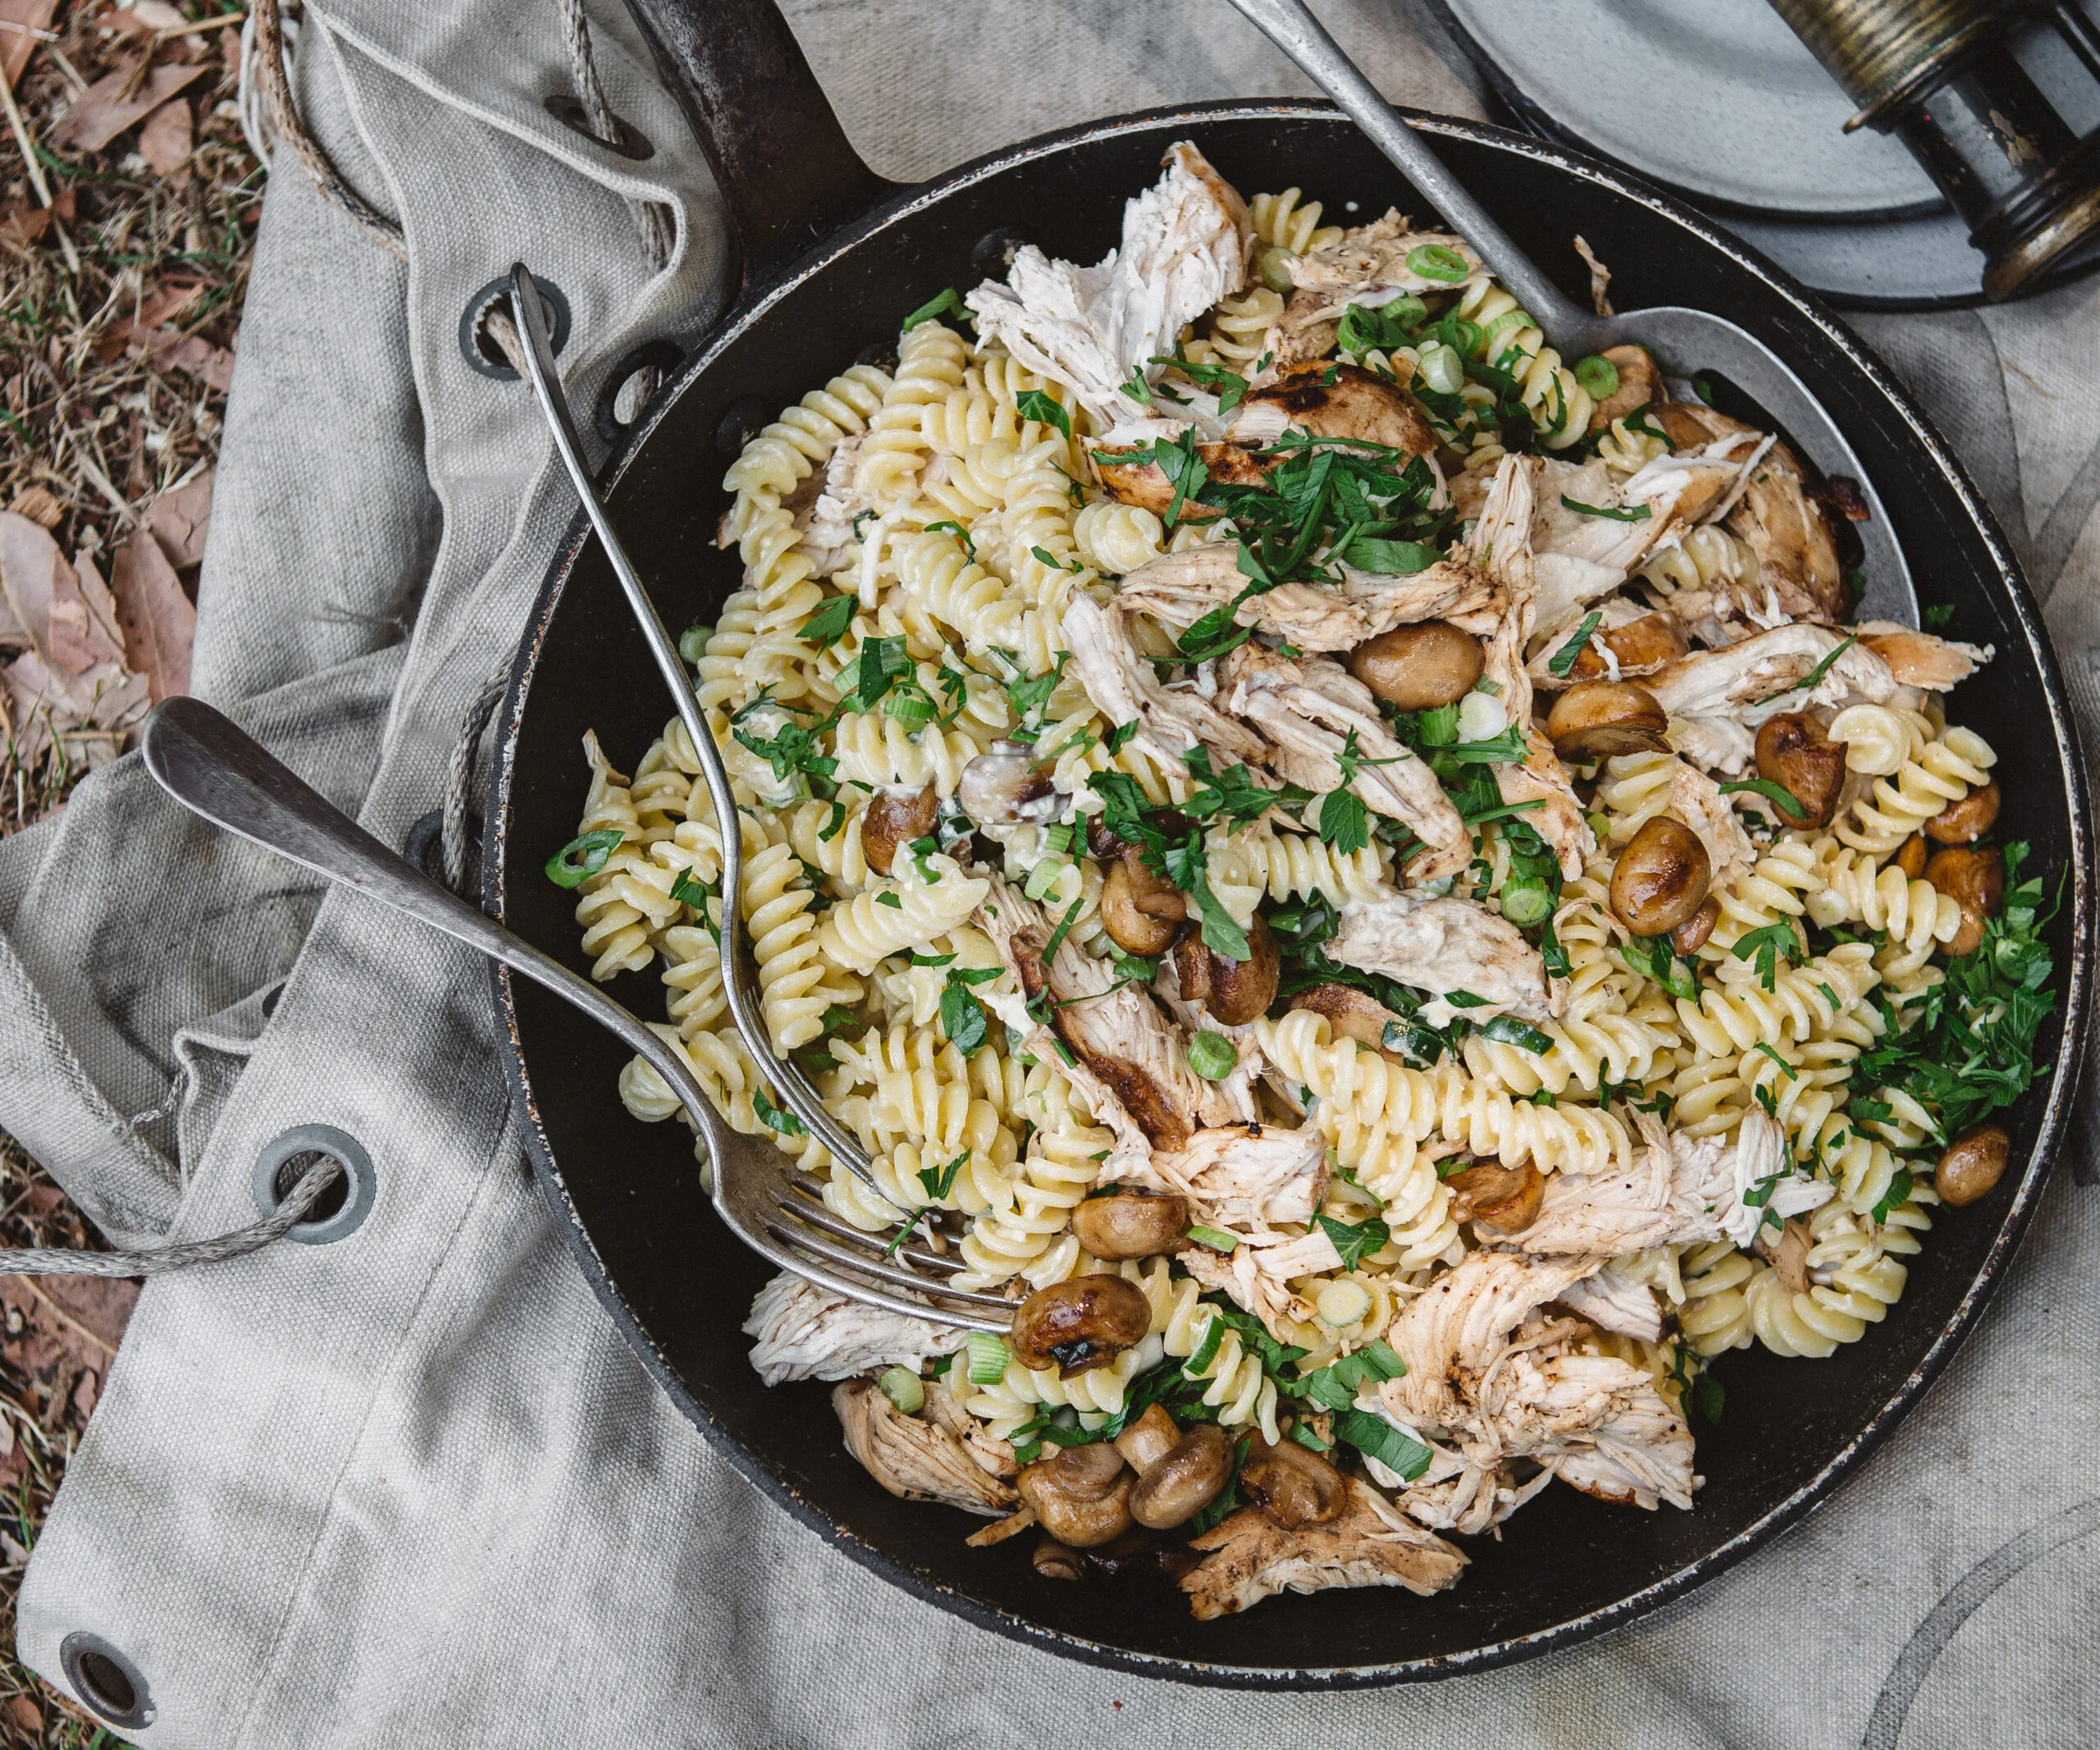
116	310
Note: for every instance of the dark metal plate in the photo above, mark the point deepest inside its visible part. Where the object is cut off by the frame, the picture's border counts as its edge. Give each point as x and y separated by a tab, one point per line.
627	1193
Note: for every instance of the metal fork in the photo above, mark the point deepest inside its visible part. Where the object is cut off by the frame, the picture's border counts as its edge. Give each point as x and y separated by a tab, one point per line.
1690	340
214	768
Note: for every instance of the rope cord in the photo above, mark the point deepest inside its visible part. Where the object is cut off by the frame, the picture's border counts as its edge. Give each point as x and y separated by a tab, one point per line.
57	1261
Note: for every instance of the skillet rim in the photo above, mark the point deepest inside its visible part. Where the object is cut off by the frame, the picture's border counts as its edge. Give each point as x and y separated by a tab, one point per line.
2065	1075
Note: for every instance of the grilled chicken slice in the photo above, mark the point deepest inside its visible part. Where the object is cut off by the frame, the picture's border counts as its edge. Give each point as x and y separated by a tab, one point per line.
1172	721
1443	945
1627	644
1333	401
1611	1303
916	1459
1500	544
1777	515
1249	1557
1114	1028
1306	712
808	1332
1760	676
1249	1178
1178	589
1185	246
1128	475
1918	659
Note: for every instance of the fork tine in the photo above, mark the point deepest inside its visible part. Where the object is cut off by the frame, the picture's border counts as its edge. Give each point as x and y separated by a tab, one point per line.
803	1238
815	1215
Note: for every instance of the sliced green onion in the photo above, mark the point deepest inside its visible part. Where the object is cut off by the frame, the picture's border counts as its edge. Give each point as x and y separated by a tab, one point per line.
1216	1239
1042	883
1437	261
1519	319
905	1389
692	642
989	1356
1526	900
1506	1030
1342	1304
1441	368
1207	1346
910	705
1058	840
1407	309
582	857
1212	1055
1598	377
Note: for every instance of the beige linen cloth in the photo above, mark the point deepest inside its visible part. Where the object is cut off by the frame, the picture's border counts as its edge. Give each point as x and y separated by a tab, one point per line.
411	1489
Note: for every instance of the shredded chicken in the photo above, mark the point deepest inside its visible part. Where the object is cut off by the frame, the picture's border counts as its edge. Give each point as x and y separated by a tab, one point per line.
914	1459
1760	677
1918	659
1443	945
1249	1178
1369	266
1578	556
1455	1329
1305	712
1172	721
808	1332
1113	1027
1697	800
1259	1274
1178	589
828	541
1610	1302
1249	1557
1501	543
1185	246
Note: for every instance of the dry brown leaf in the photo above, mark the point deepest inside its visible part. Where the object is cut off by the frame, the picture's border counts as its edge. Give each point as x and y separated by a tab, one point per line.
84	628
180	518
93	713
103	112
17	46
30	564
64	1332
22	227
164	142
191	354
36	503
143	17
27	1716
159	623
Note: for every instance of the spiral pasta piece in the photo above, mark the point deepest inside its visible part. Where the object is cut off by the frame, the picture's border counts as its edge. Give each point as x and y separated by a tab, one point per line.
1290	221
903	912
1117	538
1855	890
931	362
1940	775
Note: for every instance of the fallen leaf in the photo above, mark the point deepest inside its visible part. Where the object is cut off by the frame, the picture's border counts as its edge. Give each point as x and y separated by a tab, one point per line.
164	142
30	570
36	503
158	623
103	112
22	227
191	354
92	714
43	1198
86	1389
65	205
84	627
17	46
98	1306
26	1715
169	299
179	517
63	1333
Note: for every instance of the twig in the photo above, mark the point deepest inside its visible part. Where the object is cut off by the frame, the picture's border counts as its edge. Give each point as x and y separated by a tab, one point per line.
231	22
40	35
28	147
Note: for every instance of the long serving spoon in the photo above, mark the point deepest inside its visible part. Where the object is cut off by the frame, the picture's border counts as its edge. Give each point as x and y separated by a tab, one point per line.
1689	339
216	770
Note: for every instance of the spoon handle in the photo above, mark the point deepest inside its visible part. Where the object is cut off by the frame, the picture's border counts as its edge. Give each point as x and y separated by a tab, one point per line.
1293	29
214	768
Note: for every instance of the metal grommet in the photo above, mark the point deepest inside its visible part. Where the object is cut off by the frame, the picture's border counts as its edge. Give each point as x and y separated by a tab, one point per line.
343	1206
658	357
743	421
108	1684
992	256
632	143
479	351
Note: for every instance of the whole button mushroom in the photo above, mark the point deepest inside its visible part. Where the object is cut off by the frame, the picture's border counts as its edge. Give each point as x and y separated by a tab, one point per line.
1974	1163
1295	1488
1598	719
1975	880
1495	1199
1419	667
1130	1220
1967	820
1691	935
1148	1440
1081	1494
1794	753
894	819
1233	991
1911	856
1187	1480
1660	878
1057	1561
1141	910
1080	1324
1004	788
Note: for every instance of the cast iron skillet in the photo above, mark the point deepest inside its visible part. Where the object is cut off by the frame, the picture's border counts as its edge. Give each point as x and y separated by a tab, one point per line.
627	1194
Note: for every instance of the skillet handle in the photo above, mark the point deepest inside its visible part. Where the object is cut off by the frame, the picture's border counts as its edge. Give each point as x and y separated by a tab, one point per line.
787	173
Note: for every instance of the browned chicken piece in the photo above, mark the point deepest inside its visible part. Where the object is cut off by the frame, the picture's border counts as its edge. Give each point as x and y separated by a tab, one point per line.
1142	482
807	1332
1249	1557
1442	945
1456	1327
1178	589
1258	1275
1350	1013
1371	259
1787	1254
1778	516
1249	1178
914	1459
1306	330
1305	713
1501	546
1578	557
1114	1028
1918	659
1759	677
1170	721
1334	400
1639	384
1626	645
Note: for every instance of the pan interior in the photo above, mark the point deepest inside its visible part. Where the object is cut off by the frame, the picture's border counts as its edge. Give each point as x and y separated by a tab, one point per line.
628	1192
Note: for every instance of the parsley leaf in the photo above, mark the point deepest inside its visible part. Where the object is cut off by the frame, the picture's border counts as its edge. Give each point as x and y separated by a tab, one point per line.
1032	404
1765	945
1773	792
948	304
1565	658
1355	1243
947	526
1623	514
785	1123
828	625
